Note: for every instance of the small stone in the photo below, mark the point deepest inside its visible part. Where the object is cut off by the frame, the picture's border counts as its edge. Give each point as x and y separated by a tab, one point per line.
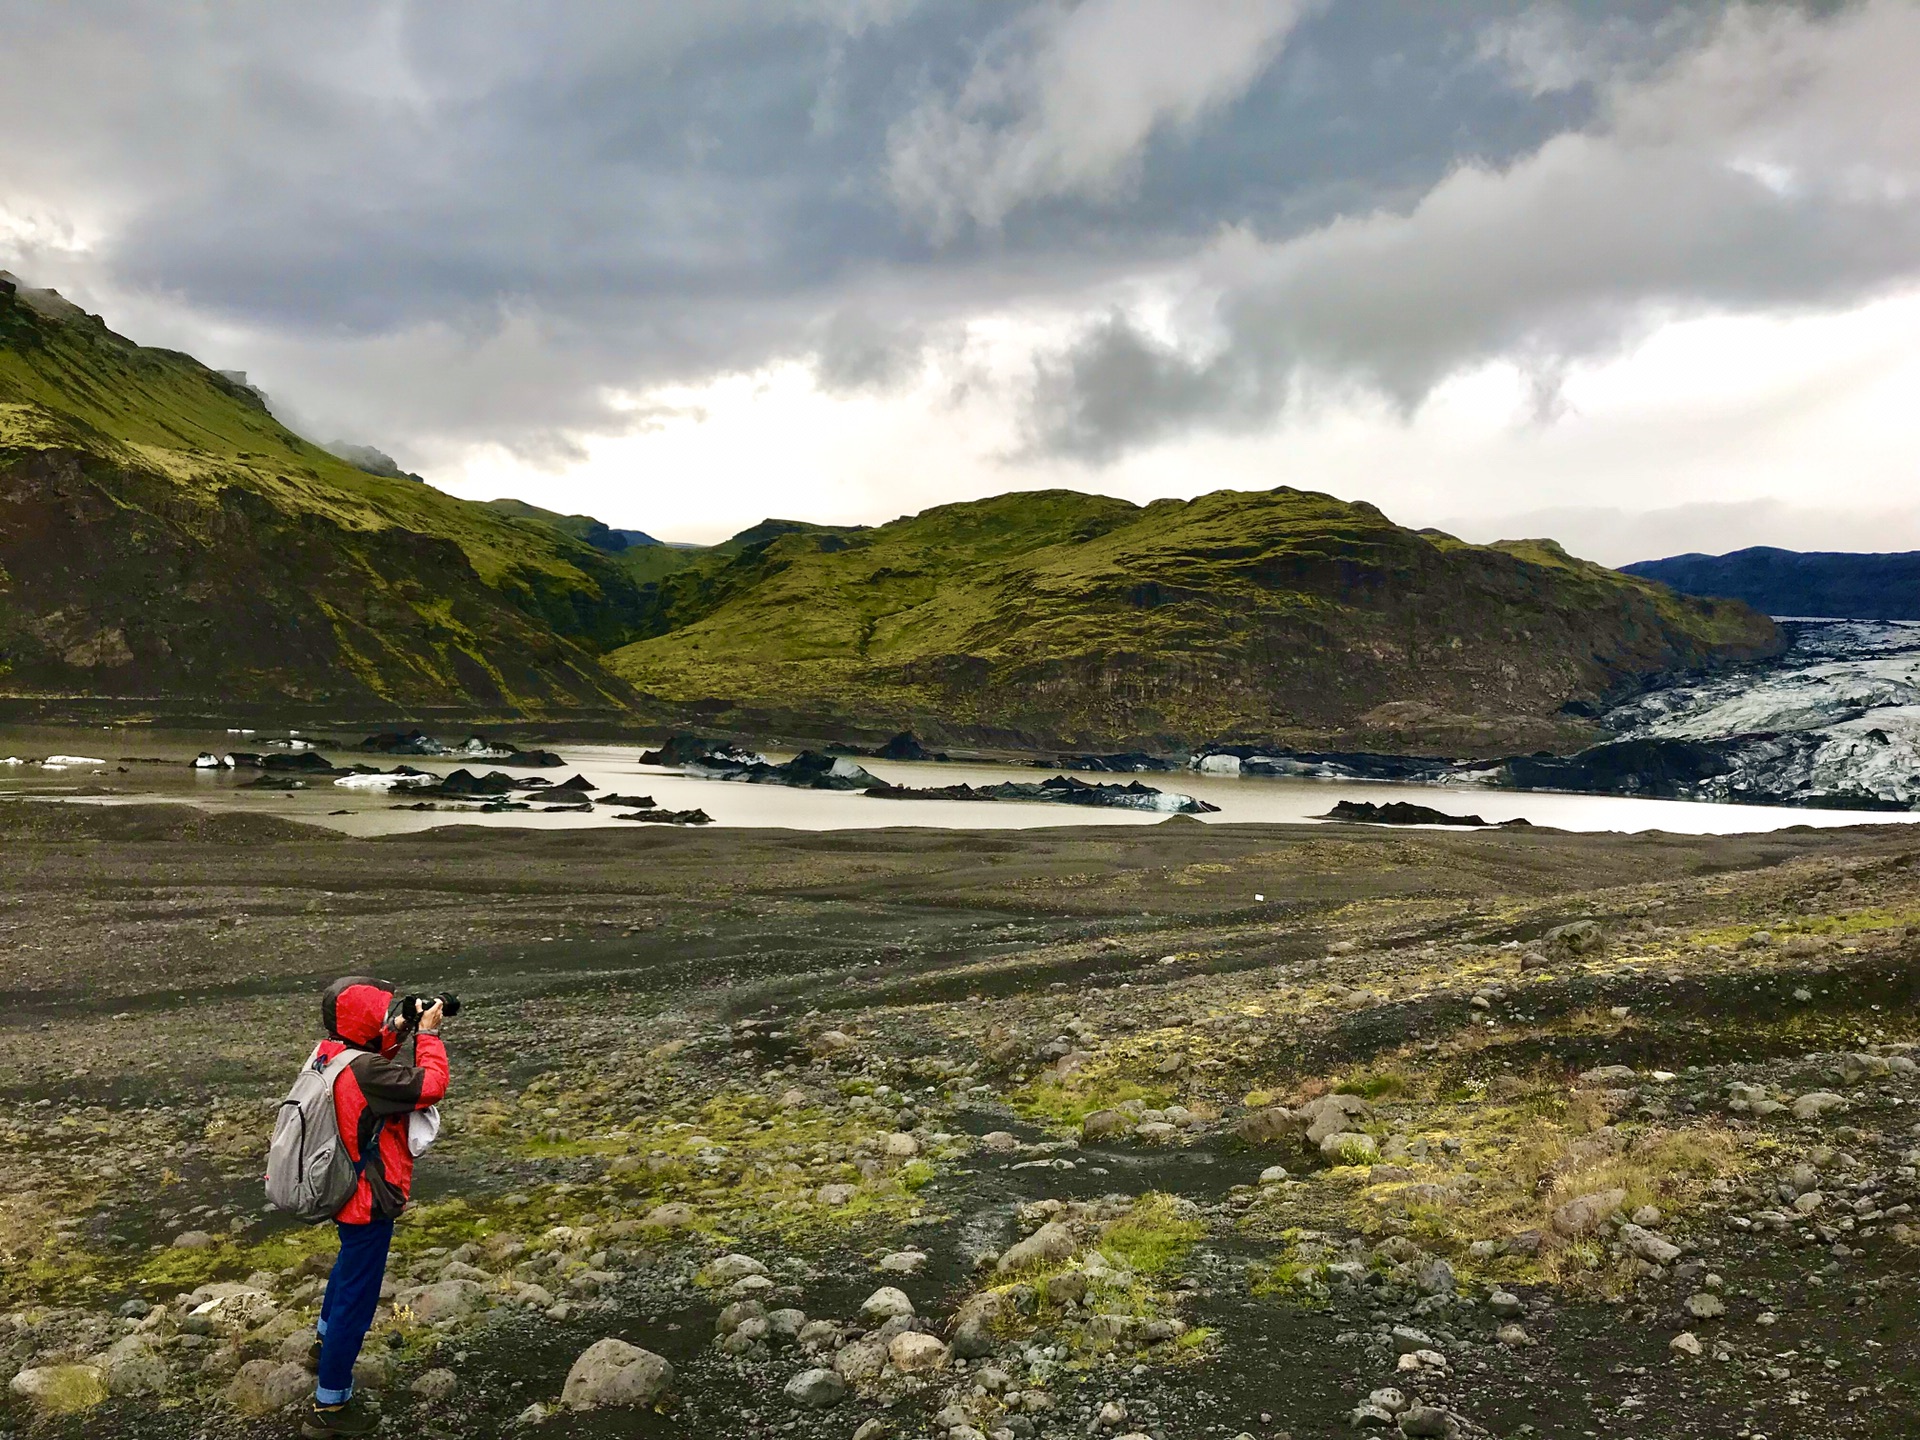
875	1429
1512	1334
1000	1142
1273	1175
816	1389
1686	1342
1817	1103
192	1240
671	1216
1506	1305
903	1262
836	1195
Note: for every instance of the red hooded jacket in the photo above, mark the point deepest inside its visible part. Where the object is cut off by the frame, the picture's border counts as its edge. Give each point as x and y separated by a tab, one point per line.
379	1090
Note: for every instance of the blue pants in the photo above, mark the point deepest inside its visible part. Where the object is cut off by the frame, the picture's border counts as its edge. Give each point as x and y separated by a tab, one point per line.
346	1314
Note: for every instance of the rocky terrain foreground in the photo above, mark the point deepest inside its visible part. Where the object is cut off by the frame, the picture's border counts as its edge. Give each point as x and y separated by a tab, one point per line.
1171	1131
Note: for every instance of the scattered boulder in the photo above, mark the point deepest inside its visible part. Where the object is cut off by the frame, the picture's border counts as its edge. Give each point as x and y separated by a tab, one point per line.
886	1303
1049	1245
913	1353
612	1372
61	1389
730	1268
1648	1246
816	1389
1349	1147
262	1387
436	1384
1586	1213
1817	1103
443	1300
671	1216
1582	937
131	1366
1269	1126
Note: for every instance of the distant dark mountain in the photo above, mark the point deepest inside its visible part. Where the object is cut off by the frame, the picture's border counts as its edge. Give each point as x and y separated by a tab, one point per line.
1830	584
634	537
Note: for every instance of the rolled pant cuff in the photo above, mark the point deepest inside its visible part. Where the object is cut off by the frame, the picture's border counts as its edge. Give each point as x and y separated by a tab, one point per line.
324	1396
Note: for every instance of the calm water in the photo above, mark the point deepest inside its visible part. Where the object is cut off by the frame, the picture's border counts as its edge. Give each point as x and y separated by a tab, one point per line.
1241	799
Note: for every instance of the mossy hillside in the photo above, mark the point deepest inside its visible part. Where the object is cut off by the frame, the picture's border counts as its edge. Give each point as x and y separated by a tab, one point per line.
1090	620
163	533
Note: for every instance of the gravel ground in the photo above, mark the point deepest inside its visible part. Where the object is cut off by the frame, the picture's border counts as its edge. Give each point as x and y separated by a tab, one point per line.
1172	1131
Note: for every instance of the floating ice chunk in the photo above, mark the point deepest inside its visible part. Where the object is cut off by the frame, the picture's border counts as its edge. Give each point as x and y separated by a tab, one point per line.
63	762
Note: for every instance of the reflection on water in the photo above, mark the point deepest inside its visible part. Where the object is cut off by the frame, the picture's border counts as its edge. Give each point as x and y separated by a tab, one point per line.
616	767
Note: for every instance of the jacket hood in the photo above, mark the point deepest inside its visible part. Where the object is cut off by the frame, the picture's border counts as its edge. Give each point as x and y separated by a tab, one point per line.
355	1008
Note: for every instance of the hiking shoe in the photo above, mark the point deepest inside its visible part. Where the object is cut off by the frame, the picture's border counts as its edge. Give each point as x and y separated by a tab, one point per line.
313	1357
352	1418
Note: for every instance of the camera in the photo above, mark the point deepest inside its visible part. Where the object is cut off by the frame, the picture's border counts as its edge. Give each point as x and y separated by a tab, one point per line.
409	1008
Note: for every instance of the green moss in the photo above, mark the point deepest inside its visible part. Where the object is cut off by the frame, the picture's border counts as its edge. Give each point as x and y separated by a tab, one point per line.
1155	1237
1065	1106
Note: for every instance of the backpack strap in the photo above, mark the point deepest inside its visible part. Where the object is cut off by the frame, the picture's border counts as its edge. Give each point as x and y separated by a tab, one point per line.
330	1072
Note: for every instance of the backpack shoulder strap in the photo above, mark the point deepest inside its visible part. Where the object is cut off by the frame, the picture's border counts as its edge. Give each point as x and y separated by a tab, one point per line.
331	1070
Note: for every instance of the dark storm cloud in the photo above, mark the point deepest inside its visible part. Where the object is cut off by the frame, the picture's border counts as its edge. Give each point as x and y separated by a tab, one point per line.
441	224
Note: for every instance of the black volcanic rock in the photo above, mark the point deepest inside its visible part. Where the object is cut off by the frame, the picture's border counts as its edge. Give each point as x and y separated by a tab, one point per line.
1831	584
1398	812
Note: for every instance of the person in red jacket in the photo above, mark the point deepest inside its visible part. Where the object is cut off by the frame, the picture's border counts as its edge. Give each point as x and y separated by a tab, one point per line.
400	1069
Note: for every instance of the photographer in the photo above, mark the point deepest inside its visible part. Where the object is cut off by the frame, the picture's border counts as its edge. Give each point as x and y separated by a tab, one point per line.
403	1070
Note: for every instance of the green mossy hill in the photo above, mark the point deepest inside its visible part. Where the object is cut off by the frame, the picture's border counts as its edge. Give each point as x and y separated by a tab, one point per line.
1057	618
162	536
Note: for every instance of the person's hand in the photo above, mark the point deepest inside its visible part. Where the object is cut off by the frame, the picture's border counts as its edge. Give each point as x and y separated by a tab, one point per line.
430	1018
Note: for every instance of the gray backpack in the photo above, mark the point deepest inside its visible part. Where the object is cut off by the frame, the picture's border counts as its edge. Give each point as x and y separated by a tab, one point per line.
309	1173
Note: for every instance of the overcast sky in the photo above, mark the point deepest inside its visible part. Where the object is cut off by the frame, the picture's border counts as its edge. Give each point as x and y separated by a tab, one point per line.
1643	277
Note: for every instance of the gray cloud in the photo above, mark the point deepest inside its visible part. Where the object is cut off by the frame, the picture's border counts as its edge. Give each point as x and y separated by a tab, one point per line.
433	227
1777	166
1064	99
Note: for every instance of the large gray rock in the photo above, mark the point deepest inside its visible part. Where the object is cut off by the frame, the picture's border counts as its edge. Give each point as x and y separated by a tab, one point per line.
60	1389
1049	1245
1582	937
612	1372
729	1268
1648	1246
862	1360
262	1387
1349	1147
1331	1114
1586	1213
913	1353
1817	1103
816	1389
443	1300
132	1366
1269	1126
886	1303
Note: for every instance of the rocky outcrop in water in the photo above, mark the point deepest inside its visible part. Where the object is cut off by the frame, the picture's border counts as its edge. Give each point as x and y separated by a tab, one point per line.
1401	812
1060	790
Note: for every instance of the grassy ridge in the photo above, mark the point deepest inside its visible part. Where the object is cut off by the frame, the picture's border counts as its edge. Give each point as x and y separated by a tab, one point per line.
1281	614
199	548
